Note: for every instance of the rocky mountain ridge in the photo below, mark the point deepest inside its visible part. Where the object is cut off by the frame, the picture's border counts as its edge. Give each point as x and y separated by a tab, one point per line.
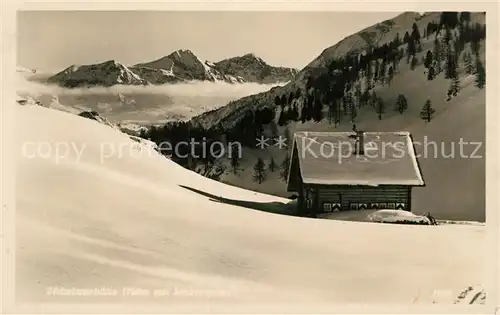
177	67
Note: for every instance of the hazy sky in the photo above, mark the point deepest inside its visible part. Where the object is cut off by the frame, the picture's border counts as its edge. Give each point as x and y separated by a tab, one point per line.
53	40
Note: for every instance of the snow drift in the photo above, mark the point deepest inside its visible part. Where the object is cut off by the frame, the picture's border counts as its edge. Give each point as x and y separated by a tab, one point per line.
137	222
397	216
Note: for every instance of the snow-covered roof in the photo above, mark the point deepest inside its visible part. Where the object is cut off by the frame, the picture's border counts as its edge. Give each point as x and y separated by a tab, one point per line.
329	158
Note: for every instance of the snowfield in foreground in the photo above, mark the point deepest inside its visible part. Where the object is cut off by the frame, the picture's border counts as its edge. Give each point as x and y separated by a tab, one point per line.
104	214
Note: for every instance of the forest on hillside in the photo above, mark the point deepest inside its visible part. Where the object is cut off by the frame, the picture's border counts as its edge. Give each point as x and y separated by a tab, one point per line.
345	86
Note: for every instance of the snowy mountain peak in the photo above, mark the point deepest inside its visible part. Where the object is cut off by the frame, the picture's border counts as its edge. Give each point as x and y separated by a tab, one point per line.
185	65
255	69
107	73
246	59
112	62
252	56
179	66
181	52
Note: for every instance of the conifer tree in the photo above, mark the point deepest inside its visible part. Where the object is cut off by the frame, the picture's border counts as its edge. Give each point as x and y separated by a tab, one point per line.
431	73
259	171
382	72
354	112
282	117
445	42
368	81
413	63
283	100
395	64
318	110
437	57
303	112
307	107
235	158
338	117
454	87
288	138
390	75
376	71
365	98
332	113
401	104
431	28
290	98
412	48
380	107
272	165
451	66
373	99
298	93
397	40
406	38
277	100
459	45
284	168
428	59
475	45
369	75
357	93
427	112
415	34
294	112
480	75
455	83
467	58
401	54
348	103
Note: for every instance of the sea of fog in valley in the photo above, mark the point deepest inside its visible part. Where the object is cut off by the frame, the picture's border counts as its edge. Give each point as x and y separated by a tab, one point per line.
140	104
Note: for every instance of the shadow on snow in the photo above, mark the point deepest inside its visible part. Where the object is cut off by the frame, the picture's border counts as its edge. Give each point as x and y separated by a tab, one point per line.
276	207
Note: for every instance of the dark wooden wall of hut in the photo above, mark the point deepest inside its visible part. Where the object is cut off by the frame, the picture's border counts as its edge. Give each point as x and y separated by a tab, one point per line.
352	197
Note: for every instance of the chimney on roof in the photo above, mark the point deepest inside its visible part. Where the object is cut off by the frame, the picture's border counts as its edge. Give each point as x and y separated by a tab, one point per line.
360	142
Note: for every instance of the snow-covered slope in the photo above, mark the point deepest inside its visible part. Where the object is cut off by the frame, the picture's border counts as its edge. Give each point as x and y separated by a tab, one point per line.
95	116
375	35
109	214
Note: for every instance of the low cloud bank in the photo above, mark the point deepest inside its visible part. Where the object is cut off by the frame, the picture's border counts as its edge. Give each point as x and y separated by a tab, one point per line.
143	103
190	89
